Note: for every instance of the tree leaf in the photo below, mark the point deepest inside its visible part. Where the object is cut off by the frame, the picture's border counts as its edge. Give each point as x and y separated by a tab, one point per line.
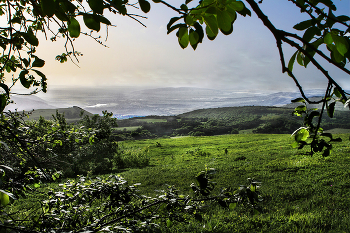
176	26
212	23
38	62
145	6
330	109
189	20
236	5
291	63
305	24
224	21
298	100
184	38
5	88
73	28
48	7
310	33
92	22
30	37
171	22
302	135
193	37
340	43
343	18
337	93
22	78
96	6
4	198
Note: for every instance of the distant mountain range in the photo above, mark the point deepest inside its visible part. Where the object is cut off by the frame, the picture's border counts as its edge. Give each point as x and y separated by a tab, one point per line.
126	102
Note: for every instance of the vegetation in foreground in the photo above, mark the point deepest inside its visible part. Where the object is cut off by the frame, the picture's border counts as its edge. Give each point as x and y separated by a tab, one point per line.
300	193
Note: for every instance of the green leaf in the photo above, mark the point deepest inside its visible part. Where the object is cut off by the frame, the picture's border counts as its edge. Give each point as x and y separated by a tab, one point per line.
341	44
232	206
302	135
145	6
298	100
171	22
180	25
199	31
337	93
300	58
330	109
73	28
212	23
4	198
30	38
291	63
305	24
96	6
183	37
38	62
92	22
169	223
335	55
328	39
48	7
236	5
102	19
210	34
189	20
22	78
310	33
224	21
193	37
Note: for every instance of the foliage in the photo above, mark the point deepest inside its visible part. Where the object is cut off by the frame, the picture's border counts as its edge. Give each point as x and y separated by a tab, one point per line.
33	152
111	205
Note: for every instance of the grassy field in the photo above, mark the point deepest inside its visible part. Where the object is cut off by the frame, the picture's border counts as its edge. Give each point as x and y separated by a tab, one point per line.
301	193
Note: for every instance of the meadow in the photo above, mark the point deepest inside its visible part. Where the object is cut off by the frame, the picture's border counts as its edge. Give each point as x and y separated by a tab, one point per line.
301	193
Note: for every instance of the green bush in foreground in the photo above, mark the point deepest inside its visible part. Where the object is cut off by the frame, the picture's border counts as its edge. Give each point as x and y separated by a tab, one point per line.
111	205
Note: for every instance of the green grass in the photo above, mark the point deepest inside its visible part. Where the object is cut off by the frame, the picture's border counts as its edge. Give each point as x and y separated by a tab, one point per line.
301	193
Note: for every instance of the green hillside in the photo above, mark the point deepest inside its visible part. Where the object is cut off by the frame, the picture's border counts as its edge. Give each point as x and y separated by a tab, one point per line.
228	120
72	114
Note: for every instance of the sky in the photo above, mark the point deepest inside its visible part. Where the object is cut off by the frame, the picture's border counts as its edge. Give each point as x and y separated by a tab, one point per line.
136	56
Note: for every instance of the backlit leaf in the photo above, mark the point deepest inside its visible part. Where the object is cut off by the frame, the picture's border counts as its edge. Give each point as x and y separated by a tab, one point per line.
291	63
91	22
212	23
224	21
302	135
341	44
74	28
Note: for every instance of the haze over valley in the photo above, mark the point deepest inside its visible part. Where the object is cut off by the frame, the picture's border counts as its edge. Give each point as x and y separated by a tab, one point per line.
129	102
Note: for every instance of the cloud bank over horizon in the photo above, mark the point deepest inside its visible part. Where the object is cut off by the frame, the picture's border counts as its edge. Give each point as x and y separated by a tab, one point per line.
147	57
